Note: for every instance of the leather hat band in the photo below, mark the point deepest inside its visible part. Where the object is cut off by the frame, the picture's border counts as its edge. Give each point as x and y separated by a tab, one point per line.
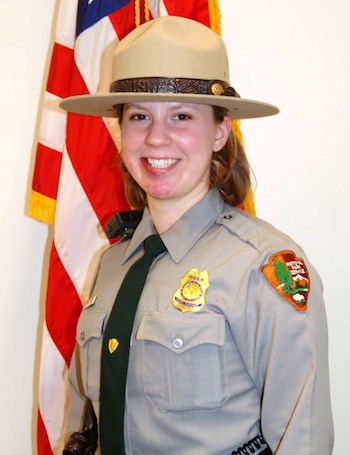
173	85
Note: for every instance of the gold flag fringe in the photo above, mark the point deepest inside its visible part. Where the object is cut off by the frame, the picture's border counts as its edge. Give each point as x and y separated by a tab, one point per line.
41	208
215	16
138	12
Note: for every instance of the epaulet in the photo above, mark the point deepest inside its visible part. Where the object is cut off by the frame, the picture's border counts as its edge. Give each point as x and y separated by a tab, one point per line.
260	234
240	224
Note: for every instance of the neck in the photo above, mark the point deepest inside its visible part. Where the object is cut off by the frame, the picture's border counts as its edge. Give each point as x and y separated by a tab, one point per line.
165	213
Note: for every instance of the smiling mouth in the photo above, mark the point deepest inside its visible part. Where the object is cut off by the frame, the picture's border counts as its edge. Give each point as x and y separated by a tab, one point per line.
161	163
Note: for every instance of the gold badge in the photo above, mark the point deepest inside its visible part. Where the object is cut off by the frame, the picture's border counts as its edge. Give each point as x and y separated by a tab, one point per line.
113	343
289	276
190	296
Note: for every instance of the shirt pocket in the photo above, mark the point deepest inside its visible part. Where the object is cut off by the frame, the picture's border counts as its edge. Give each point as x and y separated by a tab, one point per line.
183	361
89	336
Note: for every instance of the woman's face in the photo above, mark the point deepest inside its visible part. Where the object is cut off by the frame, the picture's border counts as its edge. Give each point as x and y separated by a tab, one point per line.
167	148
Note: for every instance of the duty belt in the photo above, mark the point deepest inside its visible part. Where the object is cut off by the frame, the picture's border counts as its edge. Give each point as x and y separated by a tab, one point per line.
257	446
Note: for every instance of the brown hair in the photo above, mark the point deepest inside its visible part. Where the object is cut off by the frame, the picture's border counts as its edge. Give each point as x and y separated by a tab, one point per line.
229	170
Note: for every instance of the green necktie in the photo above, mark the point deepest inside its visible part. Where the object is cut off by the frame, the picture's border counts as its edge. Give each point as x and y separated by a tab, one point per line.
115	350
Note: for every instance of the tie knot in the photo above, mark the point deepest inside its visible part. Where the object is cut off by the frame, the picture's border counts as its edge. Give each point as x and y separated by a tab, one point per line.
154	246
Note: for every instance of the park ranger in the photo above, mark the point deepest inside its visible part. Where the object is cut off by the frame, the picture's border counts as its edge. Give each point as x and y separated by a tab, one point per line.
205	333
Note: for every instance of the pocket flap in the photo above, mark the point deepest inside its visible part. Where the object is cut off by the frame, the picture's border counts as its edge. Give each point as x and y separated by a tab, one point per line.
183	331
90	325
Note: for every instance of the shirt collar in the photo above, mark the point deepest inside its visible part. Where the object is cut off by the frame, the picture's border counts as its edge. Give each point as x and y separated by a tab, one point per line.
180	238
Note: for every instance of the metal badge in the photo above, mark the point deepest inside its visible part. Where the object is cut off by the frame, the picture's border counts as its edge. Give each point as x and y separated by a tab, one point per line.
190	296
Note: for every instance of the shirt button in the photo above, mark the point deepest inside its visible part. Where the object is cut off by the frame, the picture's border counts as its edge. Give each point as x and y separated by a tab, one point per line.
227	217
82	336
178	343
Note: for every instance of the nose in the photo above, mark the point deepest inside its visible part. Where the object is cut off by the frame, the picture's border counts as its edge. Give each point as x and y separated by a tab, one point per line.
157	133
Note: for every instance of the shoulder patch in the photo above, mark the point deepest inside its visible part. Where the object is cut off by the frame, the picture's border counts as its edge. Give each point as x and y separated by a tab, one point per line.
288	274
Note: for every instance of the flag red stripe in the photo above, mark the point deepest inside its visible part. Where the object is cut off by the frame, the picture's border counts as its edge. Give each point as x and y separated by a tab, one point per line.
100	177
63	307
197	10
44	447
123	20
77	85
64	78
46	172
62	62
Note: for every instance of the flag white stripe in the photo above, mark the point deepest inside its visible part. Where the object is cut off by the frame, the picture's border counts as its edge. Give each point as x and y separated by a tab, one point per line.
92	54
53	397
53	123
66	23
162	10
79	238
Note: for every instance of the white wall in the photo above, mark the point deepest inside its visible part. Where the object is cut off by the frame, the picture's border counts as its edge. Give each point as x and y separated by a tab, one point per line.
24	39
296	54
293	54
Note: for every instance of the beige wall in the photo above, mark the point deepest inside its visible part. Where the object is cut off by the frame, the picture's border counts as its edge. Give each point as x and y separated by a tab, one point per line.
294	54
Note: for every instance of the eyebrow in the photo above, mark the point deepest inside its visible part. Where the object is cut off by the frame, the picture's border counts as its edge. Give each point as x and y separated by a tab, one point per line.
174	105
130	105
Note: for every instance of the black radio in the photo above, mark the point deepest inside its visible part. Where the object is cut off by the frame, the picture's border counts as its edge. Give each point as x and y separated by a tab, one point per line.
123	224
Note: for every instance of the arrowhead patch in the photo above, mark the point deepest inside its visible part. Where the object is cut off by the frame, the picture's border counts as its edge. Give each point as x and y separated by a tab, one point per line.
288	274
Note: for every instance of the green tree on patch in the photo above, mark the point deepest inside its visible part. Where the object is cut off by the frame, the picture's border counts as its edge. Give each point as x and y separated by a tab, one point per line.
284	277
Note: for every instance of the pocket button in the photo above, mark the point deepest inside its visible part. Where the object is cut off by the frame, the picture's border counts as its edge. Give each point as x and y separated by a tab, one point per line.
178	343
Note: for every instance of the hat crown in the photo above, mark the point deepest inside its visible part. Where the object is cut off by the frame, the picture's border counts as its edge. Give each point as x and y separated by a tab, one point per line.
171	47
169	59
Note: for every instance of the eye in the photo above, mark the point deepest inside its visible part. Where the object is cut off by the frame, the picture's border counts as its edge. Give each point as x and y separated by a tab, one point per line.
182	116
138	116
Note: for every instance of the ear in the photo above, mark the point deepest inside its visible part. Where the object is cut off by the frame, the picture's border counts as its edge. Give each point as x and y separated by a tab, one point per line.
223	130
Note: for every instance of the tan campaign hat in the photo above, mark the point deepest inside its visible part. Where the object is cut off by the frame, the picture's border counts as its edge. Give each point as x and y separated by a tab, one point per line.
170	59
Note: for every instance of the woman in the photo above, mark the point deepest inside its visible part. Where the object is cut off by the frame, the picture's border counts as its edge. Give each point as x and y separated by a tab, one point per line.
228	346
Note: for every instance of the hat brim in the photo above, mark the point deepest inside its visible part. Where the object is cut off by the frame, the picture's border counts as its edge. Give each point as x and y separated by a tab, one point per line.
102	105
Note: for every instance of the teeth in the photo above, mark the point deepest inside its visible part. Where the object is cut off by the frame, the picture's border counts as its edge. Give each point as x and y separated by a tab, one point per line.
160	163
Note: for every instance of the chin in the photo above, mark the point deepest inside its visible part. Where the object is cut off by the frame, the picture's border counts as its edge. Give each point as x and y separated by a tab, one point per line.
160	193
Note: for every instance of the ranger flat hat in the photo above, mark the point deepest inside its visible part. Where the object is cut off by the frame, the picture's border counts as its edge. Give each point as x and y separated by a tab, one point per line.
170	59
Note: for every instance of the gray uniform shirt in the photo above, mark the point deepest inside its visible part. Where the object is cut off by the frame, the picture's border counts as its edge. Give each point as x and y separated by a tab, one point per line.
206	382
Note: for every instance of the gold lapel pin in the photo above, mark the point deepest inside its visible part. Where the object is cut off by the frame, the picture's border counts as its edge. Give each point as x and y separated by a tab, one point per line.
113	343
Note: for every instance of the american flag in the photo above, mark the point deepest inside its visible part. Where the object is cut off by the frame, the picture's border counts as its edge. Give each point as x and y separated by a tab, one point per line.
76	185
